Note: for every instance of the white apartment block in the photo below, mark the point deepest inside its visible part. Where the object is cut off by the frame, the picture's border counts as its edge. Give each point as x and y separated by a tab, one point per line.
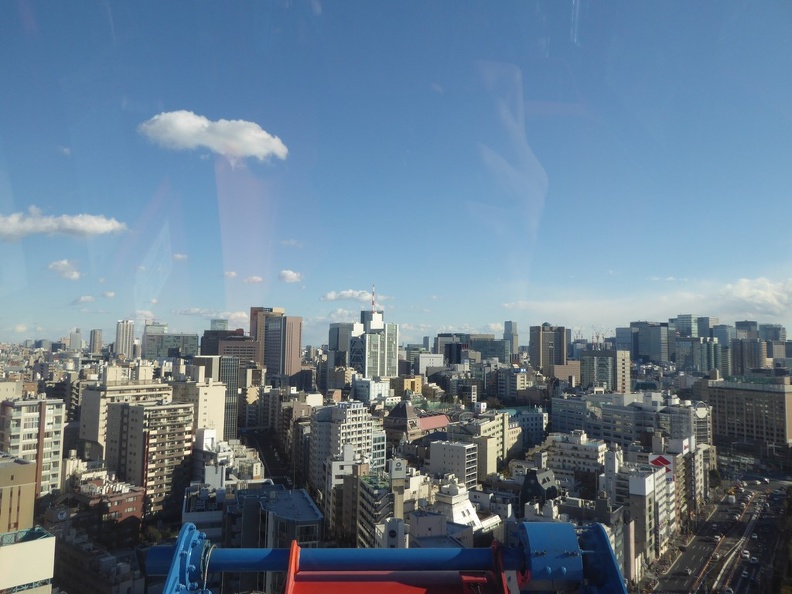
332	427
207	397
572	456
32	429
116	385
457	458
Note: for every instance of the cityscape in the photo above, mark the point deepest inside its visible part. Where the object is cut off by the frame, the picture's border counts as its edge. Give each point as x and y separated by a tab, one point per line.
310	297
653	430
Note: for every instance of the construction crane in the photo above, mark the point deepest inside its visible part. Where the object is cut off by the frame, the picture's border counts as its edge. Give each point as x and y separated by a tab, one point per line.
540	557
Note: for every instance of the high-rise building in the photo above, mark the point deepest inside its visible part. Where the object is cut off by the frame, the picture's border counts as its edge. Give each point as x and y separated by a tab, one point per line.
772	332
218	324
747	354
605	369
374	346
125	338
75	340
747	329
333	427
32	429
510	335
652	341
95	344
280	342
149	445
548	346
115	385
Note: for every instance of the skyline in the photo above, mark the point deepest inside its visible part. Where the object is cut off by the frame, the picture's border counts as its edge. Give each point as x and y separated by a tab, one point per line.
475	163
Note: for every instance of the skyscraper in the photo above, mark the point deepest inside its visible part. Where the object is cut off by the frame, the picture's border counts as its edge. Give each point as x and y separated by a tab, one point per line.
374	346
547	346
510	334
280	342
125	338
95	343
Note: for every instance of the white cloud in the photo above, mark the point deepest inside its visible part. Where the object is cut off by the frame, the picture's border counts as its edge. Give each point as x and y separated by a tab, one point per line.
289	276
20	328
141	315
230	274
83	299
495	327
108	294
235	317
18	225
351	295
759	296
235	139
343	315
65	151
65	268
291	243
154	301
179	257
253	279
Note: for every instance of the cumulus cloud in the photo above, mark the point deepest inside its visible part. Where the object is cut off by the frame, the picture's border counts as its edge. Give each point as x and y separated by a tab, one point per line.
235	139
18	225
759	296
289	276
65	268
230	274
108	294
179	257
291	243
253	279
495	327
351	295
83	299
20	328
234	317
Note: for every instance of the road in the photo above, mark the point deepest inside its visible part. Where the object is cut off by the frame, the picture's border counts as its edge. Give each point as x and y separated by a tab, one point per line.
723	563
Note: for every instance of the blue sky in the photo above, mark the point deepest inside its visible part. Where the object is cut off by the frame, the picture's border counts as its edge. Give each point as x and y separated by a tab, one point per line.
476	162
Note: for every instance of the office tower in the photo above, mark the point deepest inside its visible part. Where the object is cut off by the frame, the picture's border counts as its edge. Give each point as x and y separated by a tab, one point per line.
374	347
75	340
772	332
210	341
548	346
510	335
747	329
280	342
158	343
338	339
605	369
757	413
705	326
218	324
95	343
150	444
229	375
652	341
747	354
32	429
125	338
686	325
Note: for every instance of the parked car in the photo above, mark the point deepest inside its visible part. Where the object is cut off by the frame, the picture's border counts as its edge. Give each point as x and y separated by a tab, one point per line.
746	554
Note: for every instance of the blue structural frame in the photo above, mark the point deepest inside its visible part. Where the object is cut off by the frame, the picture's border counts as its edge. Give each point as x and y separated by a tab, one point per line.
548	557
